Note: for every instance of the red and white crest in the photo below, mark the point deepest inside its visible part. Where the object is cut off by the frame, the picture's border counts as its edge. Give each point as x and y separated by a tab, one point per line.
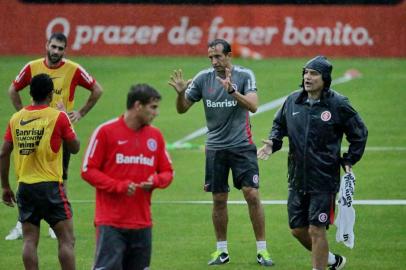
325	116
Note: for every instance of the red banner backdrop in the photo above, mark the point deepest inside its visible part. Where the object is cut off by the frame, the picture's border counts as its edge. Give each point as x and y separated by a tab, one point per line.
271	30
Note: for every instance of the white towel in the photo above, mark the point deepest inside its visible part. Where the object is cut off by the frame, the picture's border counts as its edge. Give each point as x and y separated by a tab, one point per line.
346	213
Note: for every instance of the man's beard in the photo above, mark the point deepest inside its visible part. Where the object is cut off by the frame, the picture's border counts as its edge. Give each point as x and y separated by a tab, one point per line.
54	59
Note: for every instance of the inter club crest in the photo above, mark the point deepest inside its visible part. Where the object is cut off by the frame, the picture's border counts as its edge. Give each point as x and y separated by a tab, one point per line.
152	144
255	179
323	217
325	116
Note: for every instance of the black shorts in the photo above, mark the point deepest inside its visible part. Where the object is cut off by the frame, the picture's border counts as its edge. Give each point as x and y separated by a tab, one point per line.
65	161
243	163
311	208
45	200
122	248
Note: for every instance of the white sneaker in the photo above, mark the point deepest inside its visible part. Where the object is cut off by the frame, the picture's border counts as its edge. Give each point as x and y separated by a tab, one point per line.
339	264
15	233
51	233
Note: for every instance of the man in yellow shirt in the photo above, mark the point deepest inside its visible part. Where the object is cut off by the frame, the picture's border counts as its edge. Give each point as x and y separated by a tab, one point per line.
66	75
35	135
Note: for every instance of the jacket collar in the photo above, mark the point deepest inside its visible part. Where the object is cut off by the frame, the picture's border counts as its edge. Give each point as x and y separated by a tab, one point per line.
325	94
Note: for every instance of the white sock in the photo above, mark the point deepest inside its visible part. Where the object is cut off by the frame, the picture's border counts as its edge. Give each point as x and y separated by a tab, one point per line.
222	246
261	245
19	225
331	258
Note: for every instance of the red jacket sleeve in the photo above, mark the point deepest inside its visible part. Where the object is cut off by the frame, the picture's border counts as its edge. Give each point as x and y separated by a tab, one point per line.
23	78
64	124
63	131
7	136
93	162
83	78
164	175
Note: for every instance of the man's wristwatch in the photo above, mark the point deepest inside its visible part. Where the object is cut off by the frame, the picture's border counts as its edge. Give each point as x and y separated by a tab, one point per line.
233	89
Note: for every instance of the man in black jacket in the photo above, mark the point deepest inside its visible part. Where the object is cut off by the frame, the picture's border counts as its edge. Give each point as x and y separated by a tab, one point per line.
315	118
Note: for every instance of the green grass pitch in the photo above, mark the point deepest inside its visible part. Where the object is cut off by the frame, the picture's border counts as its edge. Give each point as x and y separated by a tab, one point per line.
183	235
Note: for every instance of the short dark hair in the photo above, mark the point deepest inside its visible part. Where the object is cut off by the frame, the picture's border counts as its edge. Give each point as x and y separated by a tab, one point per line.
226	45
142	93
60	37
40	87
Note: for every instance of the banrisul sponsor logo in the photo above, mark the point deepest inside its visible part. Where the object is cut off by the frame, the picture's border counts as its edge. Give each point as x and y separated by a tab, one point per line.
221	104
140	159
28	139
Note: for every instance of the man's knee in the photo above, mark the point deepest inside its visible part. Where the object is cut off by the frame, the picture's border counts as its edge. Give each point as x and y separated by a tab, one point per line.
300	233
67	238
317	232
251	196
29	247
220	200
69	241
64	233
66	248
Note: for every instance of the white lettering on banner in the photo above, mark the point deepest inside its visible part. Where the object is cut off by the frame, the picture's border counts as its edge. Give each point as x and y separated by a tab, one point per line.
340	35
181	35
116	35
221	104
83	36
243	35
59	20
122	159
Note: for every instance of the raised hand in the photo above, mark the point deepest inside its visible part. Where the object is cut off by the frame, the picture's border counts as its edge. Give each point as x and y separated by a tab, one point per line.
226	82
177	81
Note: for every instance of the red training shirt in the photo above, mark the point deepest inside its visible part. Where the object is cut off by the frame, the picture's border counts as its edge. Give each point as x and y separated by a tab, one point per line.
117	155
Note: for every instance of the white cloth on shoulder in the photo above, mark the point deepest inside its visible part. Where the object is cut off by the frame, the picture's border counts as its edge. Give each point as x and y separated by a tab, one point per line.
346	213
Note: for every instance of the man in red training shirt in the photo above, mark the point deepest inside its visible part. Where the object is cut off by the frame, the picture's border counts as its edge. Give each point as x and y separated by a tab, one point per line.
125	161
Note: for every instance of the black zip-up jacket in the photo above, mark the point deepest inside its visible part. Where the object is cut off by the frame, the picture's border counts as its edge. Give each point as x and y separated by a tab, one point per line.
315	133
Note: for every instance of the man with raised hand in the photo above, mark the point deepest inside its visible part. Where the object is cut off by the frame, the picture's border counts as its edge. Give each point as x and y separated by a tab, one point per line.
229	93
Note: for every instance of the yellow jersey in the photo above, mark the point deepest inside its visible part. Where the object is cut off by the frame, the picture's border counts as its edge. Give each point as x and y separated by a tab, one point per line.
66	76
37	133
